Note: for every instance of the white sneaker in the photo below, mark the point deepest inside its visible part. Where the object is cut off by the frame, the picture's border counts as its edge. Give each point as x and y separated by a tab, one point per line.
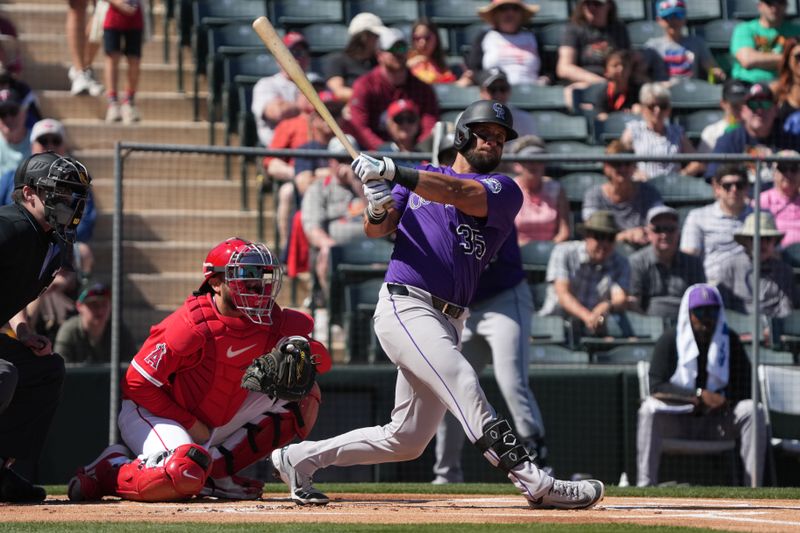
301	486
571	495
80	83
130	114
72	73
114	112
95	87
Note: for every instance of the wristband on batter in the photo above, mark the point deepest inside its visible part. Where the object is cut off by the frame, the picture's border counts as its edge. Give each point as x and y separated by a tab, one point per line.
407	177
373	218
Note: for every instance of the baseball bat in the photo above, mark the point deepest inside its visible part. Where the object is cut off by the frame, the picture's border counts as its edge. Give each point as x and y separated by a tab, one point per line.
285	59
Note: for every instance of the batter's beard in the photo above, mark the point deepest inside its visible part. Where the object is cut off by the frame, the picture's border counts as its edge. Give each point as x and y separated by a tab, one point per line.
481	162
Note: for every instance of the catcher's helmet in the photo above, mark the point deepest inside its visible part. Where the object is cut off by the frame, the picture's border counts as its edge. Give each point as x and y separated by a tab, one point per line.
482	112
252	273
62	183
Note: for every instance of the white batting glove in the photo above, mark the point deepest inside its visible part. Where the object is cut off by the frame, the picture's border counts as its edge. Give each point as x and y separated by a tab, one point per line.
369	169
379	195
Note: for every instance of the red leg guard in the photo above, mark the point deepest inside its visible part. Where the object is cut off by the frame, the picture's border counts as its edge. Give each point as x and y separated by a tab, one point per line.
179	476
273	431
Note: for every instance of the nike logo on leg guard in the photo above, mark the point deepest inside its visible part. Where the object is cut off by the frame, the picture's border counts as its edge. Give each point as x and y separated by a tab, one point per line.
233	353
190	476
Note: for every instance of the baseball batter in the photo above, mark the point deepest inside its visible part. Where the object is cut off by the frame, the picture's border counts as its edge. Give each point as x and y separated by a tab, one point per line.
186	419
449	223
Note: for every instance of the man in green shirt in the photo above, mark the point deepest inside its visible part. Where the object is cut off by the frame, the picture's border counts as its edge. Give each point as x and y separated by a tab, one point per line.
757	45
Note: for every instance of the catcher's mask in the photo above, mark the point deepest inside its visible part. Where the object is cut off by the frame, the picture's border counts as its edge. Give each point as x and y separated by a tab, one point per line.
63	184
253	275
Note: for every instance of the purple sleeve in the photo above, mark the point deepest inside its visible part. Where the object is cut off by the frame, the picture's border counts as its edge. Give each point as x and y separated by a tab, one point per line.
400	195
504	199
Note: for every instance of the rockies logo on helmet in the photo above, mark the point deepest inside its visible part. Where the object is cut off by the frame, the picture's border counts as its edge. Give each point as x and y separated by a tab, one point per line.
482	112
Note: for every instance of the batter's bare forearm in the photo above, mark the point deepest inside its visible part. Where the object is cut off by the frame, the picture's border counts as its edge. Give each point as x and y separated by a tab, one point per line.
468	196
385	227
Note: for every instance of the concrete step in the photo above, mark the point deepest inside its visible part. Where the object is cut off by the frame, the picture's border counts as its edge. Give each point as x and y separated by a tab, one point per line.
162	105
152	165
48	17
163	194
52	48
153	257
155	76
184	225
97	134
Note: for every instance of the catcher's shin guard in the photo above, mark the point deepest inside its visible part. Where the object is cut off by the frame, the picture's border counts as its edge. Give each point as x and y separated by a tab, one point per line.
498	437
175	475
255	441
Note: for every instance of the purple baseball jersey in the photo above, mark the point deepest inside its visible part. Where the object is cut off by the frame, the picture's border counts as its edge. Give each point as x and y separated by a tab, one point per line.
503	271
444	251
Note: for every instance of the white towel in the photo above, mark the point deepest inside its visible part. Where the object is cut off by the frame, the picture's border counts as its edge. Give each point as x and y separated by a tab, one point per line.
718	365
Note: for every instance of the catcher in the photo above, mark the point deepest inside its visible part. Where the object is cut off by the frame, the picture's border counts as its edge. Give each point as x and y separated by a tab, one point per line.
218	385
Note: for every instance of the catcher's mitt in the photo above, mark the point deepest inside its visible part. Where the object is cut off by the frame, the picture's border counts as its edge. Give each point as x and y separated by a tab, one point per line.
287	372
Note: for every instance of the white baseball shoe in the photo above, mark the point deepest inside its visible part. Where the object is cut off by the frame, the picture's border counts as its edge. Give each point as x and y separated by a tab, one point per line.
301	486
571	495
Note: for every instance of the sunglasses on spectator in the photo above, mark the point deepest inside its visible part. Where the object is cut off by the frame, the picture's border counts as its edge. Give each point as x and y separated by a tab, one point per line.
759	104
405	118
706	312
740	185
788	168
661	105
50	140
398	49
664	229
601	237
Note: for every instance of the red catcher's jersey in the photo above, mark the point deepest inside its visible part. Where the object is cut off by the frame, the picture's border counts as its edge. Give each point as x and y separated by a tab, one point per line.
191	365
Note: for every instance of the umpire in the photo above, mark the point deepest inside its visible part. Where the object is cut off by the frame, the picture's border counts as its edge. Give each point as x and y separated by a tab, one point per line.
36	236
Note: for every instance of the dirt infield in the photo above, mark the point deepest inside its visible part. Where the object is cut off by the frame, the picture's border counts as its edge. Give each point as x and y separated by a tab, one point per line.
728	514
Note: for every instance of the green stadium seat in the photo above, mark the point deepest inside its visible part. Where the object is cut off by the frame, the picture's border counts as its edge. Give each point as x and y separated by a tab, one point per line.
703	10
779	386
304	12
717	33
568	148
694	122
612	127
629	10
551	11
326	37
389	11
360	301
453	97
695	94
453	12
547	330
641	30
461	37
539	293
679	190
538	97
557	355
555	126
748	9
575	184
624	355
535	256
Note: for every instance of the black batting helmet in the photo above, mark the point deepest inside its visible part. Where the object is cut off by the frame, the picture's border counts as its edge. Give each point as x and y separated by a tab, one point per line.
483	112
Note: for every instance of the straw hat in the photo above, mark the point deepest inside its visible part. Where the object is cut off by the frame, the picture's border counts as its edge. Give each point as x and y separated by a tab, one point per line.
487	12
748	229
599	222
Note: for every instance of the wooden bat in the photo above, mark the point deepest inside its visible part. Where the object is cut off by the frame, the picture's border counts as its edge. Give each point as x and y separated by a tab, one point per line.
285	59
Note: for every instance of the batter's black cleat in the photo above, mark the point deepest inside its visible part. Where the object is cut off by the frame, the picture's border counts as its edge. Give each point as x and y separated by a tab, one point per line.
571	495
301	486
16	489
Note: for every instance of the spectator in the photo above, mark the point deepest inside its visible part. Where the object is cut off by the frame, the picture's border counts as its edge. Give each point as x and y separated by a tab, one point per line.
588	279
544	215
734	94
756	45
699	388
402	123
660	273
787	87
783	200
26	95
124	22
15	134
390	81
275	97
592	33
494	85
760	134
342	68
686	56
86	337
617	92
508	44
627	200
332	212
708	231
80	72
655	135
779	294
10	50
426	60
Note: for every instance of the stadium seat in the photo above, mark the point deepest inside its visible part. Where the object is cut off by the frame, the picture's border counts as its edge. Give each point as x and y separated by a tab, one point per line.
625	329
326	37
748	9
360	301
641	30
693	123
785	332
539	293
453	97
554	355
453	12
547	330
629	10
551	11
680	190
389	11
703	10
304	12
254	66
768	356
779	386
555	126
695	94
538	97
624	355
741	323
568	148
461	37
612	127
791	254
550	36
535	256
575	185
717	33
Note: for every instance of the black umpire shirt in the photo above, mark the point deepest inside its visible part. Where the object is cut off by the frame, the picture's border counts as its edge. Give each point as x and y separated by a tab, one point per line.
29	259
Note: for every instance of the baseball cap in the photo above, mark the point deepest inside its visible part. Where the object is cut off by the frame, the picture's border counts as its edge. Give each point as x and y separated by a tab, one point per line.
671	8
702	295
10	102
294	38
530	145
335	146
759	91
47	126
316	79
388	37
34	168
659	210
487	77
330	100
734	91
398	106
365	22
95	292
